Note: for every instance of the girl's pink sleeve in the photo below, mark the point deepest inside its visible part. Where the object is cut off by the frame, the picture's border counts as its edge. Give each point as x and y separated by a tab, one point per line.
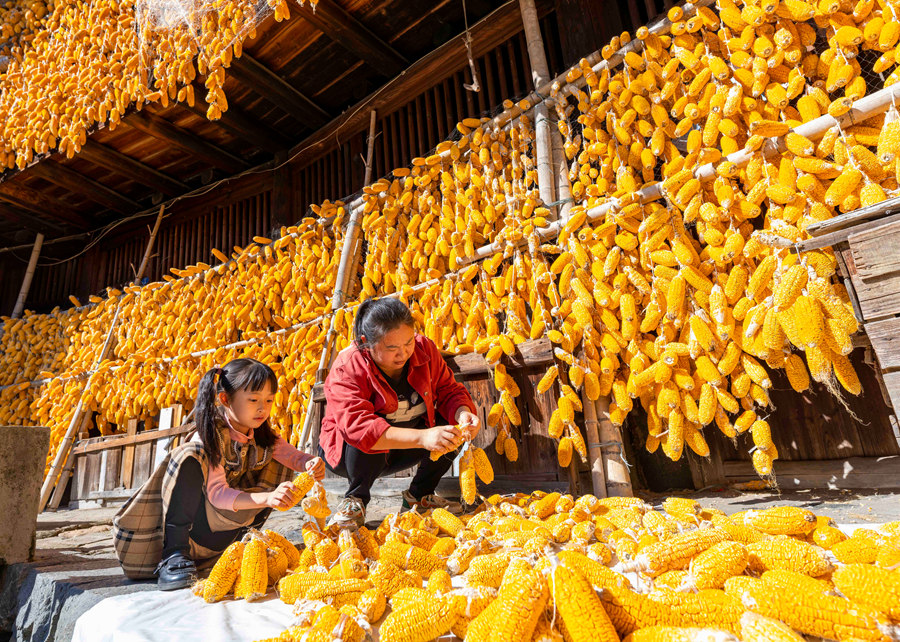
286	454
219	493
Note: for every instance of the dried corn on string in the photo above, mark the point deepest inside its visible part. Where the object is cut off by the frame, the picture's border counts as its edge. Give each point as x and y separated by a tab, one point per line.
420	228
108	58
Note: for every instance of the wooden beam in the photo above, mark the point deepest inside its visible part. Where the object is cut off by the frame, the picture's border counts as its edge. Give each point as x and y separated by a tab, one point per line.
852	473
336	23
97	444
256	76
186	141
115	161
238	124
840	236
73	181
32	200
862	215
491	31
25	219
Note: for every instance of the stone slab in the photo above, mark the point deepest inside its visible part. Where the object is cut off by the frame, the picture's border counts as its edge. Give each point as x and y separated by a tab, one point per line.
23	453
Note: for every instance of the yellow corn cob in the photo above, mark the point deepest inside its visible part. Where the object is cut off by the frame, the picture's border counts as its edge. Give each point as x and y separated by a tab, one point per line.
677	552
796	581
756	628
223	575
547	380
410	557
482	465
254	572
716	564
782	520
708	608
335	587
514	614
290	551
467	483
372	604
785	553
861	547
389	578
579	607
822	615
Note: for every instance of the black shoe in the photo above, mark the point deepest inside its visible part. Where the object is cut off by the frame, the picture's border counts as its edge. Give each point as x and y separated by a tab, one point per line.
177	571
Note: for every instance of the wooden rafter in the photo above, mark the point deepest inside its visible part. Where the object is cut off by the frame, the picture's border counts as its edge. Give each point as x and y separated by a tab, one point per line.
239	124
24	219
73	181
336	23
184	140
489	32
115	161
256	76
32	200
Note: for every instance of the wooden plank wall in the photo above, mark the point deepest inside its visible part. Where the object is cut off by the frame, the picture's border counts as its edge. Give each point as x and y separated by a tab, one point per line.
872	265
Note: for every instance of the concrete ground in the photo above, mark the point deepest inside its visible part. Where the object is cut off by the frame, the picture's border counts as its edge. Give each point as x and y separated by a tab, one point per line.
75	567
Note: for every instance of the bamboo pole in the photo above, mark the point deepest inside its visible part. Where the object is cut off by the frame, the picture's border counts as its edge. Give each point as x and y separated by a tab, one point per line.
618	479
29	275
62	452
861	110
346	268
540	74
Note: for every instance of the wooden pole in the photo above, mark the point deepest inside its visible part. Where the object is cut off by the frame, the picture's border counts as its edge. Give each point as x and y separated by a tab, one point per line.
29	275
540	74
347	267
65	446
618	479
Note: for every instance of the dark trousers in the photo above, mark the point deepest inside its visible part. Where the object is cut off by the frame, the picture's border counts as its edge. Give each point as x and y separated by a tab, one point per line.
362	469
186	515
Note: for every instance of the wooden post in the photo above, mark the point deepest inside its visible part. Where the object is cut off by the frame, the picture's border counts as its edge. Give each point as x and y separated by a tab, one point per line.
128	455
540	74
65	446
618	479
29	275
346	268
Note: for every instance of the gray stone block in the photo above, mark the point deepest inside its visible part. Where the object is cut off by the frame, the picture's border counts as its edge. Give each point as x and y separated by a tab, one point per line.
23	453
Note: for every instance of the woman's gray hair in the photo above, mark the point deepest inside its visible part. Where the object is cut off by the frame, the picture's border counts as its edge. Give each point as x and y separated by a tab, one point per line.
377	317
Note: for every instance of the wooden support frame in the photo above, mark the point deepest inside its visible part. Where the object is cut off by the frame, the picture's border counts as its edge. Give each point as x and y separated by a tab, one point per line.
29	274
66	177
115	161
336	23
112	466
256	76
65	446
186	141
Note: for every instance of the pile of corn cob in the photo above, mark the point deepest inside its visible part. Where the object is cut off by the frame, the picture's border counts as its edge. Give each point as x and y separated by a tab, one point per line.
549	567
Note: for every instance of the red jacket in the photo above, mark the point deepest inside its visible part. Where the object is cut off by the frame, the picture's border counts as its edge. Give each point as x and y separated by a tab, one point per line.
355	390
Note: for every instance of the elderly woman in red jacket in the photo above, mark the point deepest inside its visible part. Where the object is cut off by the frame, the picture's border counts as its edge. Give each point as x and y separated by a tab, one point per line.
391	400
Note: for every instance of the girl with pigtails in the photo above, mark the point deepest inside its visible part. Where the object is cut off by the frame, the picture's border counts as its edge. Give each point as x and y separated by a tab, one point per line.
208	492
